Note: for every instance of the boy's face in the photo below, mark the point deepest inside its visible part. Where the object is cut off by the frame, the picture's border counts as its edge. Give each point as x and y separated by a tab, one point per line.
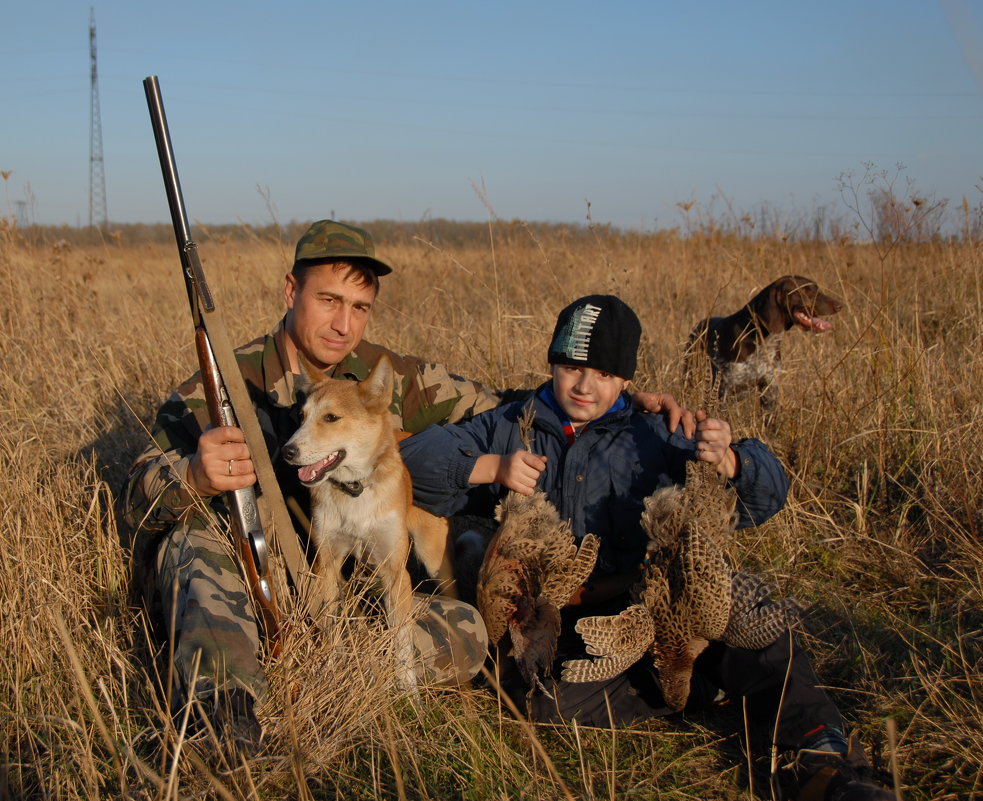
585	393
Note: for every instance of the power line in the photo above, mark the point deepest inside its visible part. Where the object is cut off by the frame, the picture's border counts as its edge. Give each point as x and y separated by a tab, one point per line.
97	176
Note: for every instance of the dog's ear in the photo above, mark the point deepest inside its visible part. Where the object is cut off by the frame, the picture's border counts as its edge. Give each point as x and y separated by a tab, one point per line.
782	288
310	375
377	389
775	314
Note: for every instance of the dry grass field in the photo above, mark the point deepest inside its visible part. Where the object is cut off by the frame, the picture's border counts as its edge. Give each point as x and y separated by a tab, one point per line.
880	427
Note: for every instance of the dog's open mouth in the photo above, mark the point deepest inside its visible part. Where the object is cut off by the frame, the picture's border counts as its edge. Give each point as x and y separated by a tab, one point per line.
815	324
311	474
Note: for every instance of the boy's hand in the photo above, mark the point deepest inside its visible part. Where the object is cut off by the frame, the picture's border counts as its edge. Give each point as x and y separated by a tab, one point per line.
665	404
713	439
520	471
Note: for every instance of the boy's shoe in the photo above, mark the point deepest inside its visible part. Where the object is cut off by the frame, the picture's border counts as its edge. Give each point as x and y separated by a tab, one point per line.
830	776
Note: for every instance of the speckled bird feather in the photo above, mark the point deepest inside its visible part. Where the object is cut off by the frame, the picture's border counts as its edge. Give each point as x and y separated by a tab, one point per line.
531	569
688	595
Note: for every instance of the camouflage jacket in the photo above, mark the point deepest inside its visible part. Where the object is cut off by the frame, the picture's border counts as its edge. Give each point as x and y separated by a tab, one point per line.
156	496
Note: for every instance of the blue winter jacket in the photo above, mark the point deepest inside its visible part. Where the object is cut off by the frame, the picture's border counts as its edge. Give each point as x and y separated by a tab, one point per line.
598	483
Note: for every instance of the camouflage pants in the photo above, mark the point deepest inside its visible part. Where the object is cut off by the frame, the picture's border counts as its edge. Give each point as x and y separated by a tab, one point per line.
206	604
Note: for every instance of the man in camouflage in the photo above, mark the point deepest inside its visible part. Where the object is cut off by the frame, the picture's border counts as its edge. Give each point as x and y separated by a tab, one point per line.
183	561
182	556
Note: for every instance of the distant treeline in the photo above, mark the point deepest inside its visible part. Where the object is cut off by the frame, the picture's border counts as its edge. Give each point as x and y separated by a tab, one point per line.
877	214
438	232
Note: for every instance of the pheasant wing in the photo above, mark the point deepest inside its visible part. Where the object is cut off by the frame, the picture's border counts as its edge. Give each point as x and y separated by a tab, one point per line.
507	567
756	621
502	583
618	642
705	579
568	569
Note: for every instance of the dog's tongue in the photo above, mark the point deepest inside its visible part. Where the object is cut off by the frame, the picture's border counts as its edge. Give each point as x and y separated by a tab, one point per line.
310	471
815	324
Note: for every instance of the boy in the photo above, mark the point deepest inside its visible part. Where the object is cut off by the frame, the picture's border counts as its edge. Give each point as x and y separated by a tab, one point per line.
597	460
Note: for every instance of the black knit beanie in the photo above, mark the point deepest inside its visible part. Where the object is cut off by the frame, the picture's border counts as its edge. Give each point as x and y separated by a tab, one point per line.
599	331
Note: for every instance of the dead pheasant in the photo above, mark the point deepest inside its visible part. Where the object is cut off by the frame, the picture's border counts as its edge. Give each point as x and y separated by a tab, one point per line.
530	571
688	595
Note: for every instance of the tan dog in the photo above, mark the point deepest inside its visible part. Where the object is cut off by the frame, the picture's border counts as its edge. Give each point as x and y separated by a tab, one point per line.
362	496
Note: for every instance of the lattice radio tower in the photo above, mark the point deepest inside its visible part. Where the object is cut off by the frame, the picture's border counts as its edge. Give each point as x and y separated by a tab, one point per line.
97	175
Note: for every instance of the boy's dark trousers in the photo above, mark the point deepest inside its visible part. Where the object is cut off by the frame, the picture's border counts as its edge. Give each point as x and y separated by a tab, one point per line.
763	677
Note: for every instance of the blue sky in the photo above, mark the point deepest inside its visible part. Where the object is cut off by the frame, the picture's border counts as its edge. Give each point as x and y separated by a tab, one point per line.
401	110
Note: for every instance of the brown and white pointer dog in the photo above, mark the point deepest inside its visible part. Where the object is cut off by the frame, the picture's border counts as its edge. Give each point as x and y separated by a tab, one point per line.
744	346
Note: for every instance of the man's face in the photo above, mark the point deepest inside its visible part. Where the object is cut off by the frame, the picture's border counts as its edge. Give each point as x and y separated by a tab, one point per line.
585	393
327	312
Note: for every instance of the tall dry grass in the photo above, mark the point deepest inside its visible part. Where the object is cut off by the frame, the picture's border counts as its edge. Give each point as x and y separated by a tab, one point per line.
880	428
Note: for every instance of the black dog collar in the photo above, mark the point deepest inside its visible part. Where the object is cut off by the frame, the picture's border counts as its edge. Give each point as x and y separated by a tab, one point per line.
353	488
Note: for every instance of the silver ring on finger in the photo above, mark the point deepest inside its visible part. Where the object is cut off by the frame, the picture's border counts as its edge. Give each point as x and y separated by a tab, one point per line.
230	466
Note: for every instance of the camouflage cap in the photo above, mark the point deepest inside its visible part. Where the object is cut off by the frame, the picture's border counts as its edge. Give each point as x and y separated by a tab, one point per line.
327	240
450	640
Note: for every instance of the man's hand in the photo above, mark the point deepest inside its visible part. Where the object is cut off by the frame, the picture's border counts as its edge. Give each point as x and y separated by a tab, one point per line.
221	463
518	471
665	404
713	438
